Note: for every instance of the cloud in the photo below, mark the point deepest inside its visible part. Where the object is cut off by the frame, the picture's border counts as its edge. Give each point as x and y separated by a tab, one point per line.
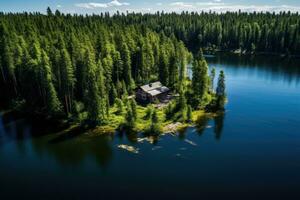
214	3
219	6
58	6
181	5
113	3
252	8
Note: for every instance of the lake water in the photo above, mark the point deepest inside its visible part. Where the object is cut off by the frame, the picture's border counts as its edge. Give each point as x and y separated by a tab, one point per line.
250	152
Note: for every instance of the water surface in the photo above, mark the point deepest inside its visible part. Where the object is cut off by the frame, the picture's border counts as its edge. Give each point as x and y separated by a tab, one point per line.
252	151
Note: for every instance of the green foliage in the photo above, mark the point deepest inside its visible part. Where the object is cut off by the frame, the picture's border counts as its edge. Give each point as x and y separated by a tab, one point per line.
133	106
91	90
155	127
212	78
55	61
199	55
154	118
47	88
129	117
120	106
200	81
220	92
79	112
189	114
149	112
18	105
169	111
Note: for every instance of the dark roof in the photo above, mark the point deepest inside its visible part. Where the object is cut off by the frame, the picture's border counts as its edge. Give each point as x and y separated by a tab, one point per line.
155	88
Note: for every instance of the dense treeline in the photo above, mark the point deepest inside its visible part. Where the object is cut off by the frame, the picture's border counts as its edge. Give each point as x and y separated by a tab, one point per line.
250	32
80	66
62	64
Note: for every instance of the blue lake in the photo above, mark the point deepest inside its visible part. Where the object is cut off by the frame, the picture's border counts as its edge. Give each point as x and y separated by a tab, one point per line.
250	152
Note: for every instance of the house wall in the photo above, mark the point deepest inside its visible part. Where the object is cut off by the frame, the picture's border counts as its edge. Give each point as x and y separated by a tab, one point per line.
142	96
145	98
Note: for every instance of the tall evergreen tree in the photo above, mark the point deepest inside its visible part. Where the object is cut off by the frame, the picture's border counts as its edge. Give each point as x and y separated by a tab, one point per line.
67	77
199	80
51	100
212	78
220	92
91	90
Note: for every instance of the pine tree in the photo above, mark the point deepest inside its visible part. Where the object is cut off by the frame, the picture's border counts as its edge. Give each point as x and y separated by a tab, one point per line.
67	78
133	108
91	90
189	113
102	92
50	96
155	126
120	106
125	56
220	92
212	78
49	11
129	117
173	73
154	117
200	55
163	69
199	80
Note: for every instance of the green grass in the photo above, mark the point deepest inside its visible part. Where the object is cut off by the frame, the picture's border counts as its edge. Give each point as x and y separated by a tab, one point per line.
141	125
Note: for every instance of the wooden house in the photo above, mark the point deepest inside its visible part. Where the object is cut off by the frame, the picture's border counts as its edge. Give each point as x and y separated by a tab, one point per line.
152	92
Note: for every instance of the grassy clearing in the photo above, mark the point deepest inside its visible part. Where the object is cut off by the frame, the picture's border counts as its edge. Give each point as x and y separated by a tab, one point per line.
143	123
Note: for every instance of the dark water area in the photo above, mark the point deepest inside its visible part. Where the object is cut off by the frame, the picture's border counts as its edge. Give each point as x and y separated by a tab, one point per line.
250	152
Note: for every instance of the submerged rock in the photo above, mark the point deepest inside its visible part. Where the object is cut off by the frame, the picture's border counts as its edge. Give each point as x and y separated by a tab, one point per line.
151	140
131	149
190	142
156	147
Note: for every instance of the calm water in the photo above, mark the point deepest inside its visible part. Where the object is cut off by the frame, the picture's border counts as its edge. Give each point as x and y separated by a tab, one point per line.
252	151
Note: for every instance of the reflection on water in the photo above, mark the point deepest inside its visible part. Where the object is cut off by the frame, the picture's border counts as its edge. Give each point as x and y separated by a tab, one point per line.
68	147
72	146
219	123
270	68
266	67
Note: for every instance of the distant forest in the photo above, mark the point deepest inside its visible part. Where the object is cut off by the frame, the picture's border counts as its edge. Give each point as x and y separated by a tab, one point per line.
61	63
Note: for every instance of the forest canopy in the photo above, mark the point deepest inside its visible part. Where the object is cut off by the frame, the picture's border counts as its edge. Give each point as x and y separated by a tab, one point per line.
61	63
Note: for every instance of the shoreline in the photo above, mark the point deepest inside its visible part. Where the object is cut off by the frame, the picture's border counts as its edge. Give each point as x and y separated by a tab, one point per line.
167	127
238	52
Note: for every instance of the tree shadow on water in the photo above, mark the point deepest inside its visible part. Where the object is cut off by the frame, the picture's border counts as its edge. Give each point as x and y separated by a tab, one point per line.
218	125
16	127
69	134
201	124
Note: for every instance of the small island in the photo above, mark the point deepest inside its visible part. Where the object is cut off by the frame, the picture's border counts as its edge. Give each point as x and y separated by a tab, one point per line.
155	109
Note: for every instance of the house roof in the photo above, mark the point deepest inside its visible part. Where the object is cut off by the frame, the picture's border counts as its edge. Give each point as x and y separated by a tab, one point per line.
151	86
155	88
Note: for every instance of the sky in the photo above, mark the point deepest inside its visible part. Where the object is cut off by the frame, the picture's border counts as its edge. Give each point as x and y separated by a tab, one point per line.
148	6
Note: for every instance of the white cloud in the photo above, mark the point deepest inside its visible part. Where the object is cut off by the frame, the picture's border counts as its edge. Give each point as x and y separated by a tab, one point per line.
117	3
252	8
181	5
215	3
58	6
219	6
113	3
